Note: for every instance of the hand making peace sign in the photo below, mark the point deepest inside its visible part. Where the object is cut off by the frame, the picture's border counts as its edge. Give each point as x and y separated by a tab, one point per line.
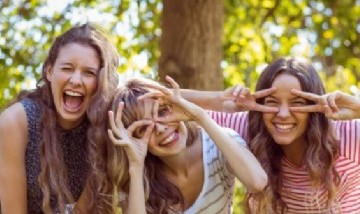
336	105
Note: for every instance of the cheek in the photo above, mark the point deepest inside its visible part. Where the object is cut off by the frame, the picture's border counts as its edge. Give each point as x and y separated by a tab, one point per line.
151	143
267	117
151	146
303	119
92	85
59	79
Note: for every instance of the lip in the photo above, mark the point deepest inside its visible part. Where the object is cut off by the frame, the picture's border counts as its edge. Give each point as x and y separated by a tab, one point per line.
284	127
174	135
72	93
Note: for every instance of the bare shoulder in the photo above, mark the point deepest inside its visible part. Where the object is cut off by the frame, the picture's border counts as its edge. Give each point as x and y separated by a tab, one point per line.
13	127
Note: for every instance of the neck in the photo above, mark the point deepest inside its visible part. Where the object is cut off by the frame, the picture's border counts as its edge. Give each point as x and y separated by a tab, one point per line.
295	152
180	165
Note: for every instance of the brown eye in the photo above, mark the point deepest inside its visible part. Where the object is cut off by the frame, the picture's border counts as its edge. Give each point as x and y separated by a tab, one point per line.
270	102
299	102
139	132
90	73
163	111
66	69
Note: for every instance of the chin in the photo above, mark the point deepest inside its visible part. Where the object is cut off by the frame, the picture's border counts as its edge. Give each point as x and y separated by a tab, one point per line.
283	141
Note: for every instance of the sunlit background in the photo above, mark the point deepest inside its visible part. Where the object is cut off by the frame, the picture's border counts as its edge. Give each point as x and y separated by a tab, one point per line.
255	32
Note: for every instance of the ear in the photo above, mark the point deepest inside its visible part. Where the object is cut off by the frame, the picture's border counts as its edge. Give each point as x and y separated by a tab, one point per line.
48	72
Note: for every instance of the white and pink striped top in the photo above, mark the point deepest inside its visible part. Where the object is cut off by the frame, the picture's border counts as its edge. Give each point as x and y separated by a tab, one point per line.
298	193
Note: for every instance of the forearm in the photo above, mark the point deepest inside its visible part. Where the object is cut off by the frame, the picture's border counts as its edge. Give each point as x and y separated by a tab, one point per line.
206	99
136	193
240	160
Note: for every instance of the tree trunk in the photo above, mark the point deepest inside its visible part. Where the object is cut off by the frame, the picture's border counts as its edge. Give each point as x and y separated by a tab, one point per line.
190	43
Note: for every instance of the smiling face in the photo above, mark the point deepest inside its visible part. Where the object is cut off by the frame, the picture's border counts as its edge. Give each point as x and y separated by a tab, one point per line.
286	127
167	139
73	79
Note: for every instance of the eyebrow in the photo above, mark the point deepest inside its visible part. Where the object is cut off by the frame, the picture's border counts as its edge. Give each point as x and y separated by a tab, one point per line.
70	64
293	98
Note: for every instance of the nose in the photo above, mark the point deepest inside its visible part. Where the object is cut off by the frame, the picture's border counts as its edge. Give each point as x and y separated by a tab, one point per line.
159	128
75	77
283	111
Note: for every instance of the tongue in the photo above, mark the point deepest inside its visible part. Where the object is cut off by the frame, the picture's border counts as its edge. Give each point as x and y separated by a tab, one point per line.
73	102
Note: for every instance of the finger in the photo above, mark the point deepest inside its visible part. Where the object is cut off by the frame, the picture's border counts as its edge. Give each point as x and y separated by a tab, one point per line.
236	90
117	142
155	110
119	114
306	95
174	85
151	95
148	108
240	98
167	119
148	132
331	99
164	89
328	112
154	85
264	93
137	124
113	126
307	108
243	93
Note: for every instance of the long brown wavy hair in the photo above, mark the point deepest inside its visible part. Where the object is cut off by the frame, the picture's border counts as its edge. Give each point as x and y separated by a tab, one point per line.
163	194
53	175
321	145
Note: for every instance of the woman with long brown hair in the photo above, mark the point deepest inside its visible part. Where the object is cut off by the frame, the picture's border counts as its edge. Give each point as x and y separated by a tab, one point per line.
48	134
309	147
170	157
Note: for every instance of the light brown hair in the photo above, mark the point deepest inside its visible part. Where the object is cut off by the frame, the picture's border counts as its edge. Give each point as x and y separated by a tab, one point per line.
321	146
53	175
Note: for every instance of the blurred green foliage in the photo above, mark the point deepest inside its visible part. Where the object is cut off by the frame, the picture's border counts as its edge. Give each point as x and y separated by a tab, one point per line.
255	33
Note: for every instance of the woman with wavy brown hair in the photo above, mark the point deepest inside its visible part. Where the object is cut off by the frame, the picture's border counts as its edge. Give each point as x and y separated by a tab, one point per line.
168	155
48	134
311	157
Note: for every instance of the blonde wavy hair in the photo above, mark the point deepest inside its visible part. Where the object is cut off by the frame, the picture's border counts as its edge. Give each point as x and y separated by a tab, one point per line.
163	193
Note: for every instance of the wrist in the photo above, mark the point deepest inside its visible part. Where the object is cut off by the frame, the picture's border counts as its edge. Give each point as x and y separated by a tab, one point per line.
201	117
136	170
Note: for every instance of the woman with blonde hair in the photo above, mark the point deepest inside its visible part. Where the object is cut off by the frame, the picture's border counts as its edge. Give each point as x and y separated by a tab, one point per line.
178	160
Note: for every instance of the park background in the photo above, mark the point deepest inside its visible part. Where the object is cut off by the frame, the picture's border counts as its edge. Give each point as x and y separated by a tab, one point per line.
202	44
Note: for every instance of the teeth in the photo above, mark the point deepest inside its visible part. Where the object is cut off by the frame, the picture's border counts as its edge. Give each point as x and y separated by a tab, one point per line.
284	126
168	139
73	93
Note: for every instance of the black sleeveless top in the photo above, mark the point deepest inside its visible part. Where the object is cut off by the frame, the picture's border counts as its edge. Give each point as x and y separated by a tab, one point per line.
74	145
